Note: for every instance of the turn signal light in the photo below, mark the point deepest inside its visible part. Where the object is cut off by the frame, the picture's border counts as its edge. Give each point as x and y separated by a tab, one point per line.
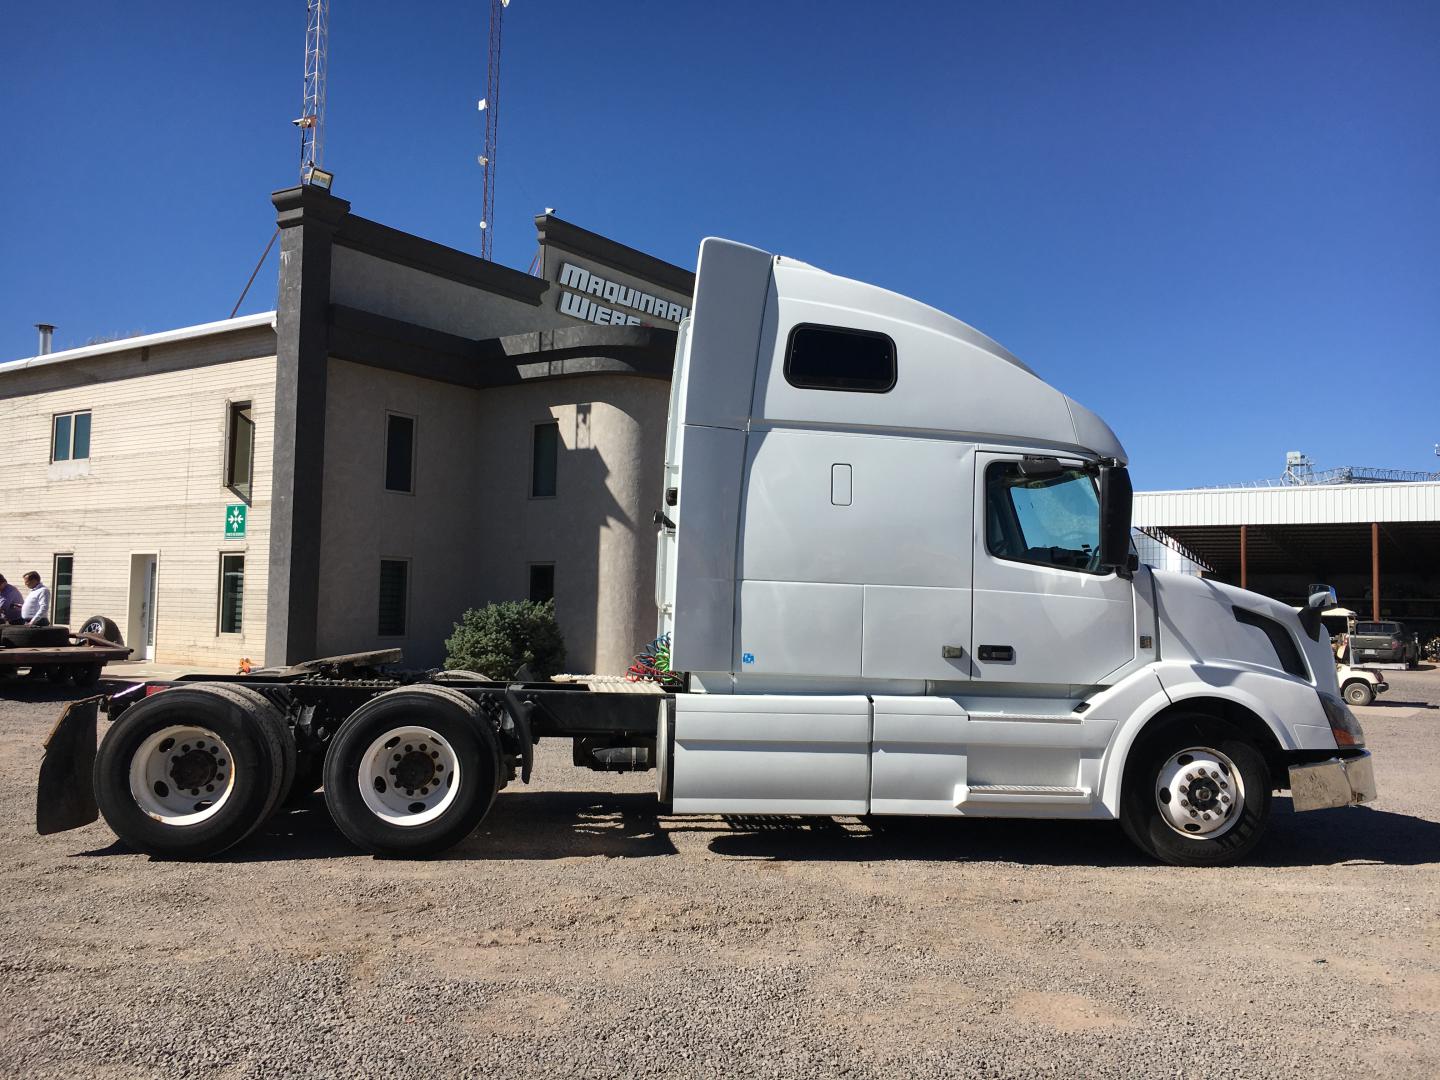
1343	723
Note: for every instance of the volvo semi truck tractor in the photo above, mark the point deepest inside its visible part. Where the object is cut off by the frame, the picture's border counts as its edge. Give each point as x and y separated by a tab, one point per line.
895	568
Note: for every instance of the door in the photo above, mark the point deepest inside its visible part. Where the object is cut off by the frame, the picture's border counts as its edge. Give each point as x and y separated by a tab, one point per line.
1044	613
143	573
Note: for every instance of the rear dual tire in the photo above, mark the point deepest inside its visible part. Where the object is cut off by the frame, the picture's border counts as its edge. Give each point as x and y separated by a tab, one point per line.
413	771
193	770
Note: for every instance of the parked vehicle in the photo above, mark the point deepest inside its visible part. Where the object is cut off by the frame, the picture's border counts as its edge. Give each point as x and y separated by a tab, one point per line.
1385	642
56	654
895	568
1360	686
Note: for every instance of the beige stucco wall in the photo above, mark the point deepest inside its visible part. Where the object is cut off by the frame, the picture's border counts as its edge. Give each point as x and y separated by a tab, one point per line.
153	484
471	530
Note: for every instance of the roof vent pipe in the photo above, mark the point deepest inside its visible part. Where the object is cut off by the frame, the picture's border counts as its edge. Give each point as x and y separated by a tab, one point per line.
47	336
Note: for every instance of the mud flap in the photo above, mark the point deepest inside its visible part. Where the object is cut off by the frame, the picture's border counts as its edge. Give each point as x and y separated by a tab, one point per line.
65	798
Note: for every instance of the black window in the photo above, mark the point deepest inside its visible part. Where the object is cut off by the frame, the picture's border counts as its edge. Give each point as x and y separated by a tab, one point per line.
394	587
1049	520
399	452
240	449
61	581
1286	651
232	593
542	582
544	460
835	358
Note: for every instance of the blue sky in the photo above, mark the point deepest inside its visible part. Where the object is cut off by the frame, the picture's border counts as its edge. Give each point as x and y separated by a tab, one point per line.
1217	224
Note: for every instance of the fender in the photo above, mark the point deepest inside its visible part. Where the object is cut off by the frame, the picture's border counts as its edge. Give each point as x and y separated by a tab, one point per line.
1289	707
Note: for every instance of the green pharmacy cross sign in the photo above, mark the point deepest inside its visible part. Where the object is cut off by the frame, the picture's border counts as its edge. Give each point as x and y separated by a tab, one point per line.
235	521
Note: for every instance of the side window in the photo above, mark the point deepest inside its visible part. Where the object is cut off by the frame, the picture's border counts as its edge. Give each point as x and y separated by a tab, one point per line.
1051	520
544	460
837	358
394	596
232	594
399	453
70	436
240	449
542	582
62	579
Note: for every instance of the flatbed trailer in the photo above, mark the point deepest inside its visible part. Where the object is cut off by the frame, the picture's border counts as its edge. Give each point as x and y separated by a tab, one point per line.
81	662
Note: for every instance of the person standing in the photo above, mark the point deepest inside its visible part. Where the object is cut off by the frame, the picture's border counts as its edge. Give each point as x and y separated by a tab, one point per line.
10	602
35	611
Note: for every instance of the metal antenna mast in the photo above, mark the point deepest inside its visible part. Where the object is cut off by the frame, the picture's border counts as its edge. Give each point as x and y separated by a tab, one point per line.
490	106
312	114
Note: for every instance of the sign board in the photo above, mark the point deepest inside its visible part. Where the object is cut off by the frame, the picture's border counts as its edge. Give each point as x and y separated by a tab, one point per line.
592	293
235	521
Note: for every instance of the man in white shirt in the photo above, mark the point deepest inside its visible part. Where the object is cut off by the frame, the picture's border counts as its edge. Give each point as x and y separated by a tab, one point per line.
36	609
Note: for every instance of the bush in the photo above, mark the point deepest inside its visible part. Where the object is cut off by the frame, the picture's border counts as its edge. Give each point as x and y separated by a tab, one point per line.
497	639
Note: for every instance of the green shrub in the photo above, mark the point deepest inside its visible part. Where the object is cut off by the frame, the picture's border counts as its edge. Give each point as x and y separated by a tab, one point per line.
498	638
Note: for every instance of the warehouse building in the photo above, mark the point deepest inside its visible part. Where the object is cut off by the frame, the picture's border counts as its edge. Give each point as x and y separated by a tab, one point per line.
413	431
1377	543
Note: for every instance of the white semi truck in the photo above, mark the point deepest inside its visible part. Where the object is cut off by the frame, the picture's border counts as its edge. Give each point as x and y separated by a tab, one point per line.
895	568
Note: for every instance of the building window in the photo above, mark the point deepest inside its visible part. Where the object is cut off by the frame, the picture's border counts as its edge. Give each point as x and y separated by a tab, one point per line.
394	589
399	453
240	449
542	582
544	459
232	593
837	358
61	581
70	437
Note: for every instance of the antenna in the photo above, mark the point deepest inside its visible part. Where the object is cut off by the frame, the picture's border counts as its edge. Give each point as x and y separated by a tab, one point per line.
490	106
312	113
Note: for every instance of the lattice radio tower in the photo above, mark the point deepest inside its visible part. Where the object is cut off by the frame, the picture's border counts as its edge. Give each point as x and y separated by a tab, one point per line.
490	106
312	114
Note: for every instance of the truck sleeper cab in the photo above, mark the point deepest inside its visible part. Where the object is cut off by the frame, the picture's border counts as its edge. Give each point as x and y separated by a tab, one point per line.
895	566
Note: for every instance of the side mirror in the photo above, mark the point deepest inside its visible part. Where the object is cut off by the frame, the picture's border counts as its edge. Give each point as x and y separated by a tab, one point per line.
1116	499
1310	620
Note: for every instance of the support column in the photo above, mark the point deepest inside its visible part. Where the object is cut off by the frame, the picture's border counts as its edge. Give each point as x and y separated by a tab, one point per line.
308	218
1375	571
1244	559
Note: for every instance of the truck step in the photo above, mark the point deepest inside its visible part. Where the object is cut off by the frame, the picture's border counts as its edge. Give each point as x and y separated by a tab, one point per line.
1019	793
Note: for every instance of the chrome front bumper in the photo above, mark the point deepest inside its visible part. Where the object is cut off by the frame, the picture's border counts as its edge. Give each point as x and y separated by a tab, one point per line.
1337	782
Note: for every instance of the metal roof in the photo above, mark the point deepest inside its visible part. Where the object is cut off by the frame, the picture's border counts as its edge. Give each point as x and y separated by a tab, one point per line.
1320	504
164	337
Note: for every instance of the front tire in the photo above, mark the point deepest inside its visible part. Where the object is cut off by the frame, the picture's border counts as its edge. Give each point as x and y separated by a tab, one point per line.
1358	693
1196	793
413	771
188	772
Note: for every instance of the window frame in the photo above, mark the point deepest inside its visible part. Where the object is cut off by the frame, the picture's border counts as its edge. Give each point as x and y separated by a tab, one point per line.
71	416
414	442
799	328
534	458
534	566
405	598
220	630
232	408
55	587
990	540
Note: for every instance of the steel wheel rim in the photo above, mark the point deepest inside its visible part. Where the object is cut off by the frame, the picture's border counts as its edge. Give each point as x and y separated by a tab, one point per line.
396	783
182	775
1199	792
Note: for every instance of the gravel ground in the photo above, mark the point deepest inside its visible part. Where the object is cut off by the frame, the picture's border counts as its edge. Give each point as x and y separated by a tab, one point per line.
578	935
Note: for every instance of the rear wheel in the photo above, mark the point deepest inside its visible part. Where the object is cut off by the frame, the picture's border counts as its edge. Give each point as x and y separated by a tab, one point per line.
188	772
58	674
413	771
88	674
1358	693
1196	793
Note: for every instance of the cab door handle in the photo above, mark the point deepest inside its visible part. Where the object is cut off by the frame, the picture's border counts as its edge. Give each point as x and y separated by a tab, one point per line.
996	652
952	652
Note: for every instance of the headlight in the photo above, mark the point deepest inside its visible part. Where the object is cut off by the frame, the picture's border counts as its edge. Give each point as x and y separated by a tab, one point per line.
1343	724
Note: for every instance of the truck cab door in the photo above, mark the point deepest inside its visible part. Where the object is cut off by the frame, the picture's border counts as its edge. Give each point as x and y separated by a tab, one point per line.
1045	614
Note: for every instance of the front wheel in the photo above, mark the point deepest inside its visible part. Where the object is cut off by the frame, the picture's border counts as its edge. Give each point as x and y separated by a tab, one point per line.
413	771
1358	693
1195	793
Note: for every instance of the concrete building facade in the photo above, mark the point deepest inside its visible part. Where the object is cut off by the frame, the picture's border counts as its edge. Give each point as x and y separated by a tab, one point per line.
427	432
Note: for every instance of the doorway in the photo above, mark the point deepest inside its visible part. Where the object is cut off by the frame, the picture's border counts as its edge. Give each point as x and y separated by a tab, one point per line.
143	572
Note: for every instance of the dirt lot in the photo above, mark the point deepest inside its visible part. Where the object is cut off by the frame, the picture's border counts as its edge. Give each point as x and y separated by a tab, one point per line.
577	935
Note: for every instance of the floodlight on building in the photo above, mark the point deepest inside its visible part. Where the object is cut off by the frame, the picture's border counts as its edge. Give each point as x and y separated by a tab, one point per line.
482	105
317	177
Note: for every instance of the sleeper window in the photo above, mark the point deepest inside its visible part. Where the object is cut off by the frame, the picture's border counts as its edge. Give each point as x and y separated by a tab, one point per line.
838	358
